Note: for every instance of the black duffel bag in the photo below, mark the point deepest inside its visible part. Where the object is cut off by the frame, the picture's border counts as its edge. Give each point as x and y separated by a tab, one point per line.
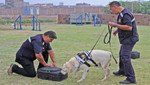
51	73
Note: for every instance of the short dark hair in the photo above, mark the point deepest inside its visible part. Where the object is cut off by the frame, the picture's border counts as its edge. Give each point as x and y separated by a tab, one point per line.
114	3
51	34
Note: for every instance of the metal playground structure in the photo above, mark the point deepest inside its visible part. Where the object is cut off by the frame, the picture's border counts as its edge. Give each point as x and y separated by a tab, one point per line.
33	12
84	18
35	24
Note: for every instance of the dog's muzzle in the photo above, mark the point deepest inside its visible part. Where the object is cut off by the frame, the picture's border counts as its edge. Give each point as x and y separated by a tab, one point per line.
63	72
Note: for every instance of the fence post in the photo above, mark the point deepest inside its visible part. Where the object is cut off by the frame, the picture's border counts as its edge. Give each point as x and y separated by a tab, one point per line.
79	18
18	19
97	21
37	21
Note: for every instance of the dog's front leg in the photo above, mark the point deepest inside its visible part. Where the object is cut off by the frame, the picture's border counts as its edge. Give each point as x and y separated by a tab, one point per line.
76	74
83	76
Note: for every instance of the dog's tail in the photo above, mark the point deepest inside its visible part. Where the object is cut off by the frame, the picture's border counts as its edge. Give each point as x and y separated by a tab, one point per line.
110	58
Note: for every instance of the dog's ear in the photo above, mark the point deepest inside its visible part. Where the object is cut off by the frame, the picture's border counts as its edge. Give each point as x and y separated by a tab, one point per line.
69	70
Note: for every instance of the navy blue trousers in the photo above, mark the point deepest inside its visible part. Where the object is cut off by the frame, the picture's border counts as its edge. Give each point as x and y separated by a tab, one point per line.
125	65
27	68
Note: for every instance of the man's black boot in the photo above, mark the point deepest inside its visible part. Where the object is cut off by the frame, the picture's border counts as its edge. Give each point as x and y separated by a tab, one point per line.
127	82
117	73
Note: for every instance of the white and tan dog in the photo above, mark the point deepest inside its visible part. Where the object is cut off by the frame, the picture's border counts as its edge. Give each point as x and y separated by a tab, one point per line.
101	57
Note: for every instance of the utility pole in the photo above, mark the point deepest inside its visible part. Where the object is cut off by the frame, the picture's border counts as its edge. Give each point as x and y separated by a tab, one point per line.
132	6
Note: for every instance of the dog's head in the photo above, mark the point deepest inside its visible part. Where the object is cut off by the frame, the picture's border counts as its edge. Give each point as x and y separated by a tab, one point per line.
70	66
64	69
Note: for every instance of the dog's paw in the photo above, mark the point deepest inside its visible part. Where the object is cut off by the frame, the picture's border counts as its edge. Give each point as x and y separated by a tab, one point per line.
103	80
79	80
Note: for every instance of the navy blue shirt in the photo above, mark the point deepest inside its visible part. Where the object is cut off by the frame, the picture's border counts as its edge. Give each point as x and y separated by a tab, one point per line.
127	36
39	47
127	20
33	45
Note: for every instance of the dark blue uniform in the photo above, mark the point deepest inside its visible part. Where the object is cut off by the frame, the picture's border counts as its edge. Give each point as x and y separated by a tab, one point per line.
26	55
127	40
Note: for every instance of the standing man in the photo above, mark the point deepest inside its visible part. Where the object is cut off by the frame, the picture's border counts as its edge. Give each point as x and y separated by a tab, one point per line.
36	47
128	36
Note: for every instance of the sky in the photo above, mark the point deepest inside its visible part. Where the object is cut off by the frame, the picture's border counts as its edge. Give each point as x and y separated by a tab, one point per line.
73	2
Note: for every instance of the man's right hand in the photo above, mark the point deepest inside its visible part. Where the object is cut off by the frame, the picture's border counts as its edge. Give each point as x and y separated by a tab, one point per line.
48	65
115	32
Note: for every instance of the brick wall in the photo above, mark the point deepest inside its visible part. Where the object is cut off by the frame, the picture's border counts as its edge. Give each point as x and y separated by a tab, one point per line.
11	11
29	17
105	18
142	19
62	19
55	10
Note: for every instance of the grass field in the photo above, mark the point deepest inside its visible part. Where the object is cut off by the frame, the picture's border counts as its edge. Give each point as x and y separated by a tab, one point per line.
72	40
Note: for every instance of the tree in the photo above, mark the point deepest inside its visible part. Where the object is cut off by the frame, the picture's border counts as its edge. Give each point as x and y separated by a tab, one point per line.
135	6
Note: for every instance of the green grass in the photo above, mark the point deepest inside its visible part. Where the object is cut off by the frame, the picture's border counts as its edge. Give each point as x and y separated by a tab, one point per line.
72	40
5	21
23	21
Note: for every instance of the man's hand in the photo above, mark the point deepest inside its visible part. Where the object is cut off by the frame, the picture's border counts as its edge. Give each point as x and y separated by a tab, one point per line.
54	65
115	32
111	24
48	65
52	56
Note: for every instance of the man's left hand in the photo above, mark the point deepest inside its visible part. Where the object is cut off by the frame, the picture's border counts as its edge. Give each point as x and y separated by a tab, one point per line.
111	24
54	65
